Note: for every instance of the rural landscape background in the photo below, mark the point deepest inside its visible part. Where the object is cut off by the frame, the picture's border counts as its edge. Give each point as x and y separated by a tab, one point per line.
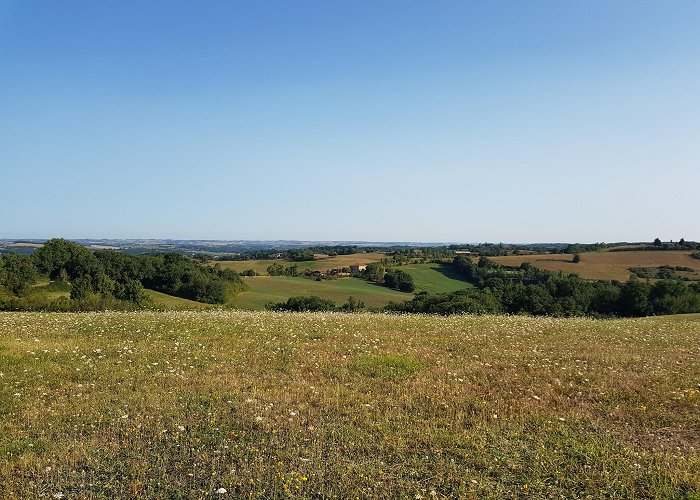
293	370
322	249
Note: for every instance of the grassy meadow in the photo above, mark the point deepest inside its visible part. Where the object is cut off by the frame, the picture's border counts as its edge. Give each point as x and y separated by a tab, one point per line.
605	265
279	288
186	404
435	278
164	301
322	262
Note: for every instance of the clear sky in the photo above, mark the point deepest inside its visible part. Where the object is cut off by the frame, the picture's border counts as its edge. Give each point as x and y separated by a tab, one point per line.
367	120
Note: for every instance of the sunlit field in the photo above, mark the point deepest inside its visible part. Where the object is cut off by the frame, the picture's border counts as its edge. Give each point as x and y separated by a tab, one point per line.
607	265
190	404
322	262
436	278
264	289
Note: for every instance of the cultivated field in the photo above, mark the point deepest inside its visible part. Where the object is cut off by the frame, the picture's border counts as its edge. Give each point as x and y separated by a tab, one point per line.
272	405
322	263
605	265
279	288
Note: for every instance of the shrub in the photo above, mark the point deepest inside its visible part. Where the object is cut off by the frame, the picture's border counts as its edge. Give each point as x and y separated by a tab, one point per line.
299	304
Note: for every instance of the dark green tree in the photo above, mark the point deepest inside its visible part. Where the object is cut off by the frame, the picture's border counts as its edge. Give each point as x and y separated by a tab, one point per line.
19	272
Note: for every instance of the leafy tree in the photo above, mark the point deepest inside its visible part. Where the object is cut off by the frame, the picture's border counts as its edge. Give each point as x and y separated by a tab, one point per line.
59	257
2	272
352	305
132	291
657	242
18	273
299	304
375	272
275	269
400	280
634	299
672	296
300	255
81	288
577	258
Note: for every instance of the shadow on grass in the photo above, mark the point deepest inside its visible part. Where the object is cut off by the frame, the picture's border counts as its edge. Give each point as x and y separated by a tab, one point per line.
450	272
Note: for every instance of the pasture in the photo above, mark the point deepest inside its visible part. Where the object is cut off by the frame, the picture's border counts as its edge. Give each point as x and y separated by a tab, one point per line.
435	278
164	301
322	262
256	404
605	265
279	288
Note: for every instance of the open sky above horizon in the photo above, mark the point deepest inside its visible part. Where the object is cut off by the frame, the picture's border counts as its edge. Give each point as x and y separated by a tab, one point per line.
353	120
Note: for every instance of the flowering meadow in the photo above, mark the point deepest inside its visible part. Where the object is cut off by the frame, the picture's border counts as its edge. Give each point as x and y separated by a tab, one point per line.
231	404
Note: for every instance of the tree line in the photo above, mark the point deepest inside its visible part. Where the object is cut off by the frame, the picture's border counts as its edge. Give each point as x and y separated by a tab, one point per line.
397	279
105	276
528	290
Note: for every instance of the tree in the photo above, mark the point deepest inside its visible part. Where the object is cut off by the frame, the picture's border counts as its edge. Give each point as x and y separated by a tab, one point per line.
299	304
81	288
400	280
375	272
275	269
134	292
657	242
577	258
19	272
352	305
634	299
62	257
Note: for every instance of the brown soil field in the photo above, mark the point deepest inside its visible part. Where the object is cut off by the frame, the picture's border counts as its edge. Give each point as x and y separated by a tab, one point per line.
606	265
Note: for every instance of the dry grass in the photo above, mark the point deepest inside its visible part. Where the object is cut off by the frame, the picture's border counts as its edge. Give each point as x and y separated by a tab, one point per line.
605	265
274	405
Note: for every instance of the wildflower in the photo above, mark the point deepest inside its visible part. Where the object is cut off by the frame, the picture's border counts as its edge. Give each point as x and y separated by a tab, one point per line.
221	491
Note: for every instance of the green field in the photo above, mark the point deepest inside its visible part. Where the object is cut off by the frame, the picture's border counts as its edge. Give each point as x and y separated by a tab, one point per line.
183	404
279	288
435	278
165	301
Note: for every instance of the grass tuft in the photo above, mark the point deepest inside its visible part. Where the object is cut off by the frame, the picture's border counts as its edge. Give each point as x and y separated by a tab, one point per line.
386	366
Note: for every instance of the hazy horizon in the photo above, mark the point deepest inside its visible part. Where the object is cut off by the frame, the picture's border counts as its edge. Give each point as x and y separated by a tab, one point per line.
363	121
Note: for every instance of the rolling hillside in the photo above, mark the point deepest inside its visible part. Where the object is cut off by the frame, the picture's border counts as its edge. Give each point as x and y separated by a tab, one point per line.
279	288
322	263
606	265
435	278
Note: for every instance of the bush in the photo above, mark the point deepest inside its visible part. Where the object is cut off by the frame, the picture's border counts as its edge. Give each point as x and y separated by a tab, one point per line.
399	280
299	304
17	273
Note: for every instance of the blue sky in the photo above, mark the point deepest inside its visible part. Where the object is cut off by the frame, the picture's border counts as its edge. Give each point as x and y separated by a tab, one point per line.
355	120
